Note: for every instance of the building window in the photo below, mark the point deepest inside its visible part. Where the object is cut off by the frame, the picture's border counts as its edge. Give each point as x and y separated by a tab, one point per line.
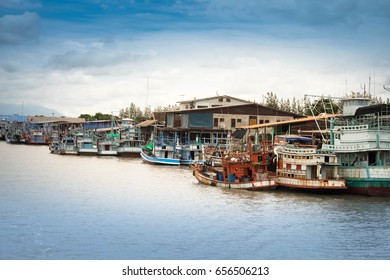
233	123
238	120
215	122
221	119
227	99
220	99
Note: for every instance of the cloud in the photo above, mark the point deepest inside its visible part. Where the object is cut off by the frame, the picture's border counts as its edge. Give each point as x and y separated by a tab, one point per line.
96	57
19	4
18	29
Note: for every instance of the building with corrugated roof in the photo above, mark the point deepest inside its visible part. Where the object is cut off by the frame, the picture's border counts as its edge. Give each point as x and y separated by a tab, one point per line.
217	122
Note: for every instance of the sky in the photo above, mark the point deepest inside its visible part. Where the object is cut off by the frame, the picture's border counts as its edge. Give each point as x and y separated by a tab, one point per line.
91	56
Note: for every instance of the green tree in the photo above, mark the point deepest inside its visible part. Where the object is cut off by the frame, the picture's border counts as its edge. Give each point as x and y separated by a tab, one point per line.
87	117
322	105
271	100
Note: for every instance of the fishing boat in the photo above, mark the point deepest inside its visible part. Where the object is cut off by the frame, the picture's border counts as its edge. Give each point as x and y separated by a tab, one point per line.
160	153
305	167
238	171
67	146
169	150
87	147
129	148
361	141
190	153
36	137
107	147
3	128
130	144
16	132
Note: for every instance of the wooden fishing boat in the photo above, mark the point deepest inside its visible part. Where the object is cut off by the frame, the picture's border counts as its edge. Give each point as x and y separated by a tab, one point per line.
361	141
212	177
245	171
307	168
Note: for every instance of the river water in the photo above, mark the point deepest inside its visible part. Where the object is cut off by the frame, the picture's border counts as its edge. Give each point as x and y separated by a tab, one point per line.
92	208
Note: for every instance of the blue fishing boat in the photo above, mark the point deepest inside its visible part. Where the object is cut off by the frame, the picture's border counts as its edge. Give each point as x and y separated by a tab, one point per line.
165	150
160	153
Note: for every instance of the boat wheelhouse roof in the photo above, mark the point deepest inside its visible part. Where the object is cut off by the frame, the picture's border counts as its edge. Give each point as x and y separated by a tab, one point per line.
384	109
294	138
295	121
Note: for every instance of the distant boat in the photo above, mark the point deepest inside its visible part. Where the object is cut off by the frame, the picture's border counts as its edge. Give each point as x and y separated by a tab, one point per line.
36	137
87	147
67	146
107	147
16	133
129	148
14	139
131	142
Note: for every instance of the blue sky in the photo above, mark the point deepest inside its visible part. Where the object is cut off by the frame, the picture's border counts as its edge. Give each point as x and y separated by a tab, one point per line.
95	56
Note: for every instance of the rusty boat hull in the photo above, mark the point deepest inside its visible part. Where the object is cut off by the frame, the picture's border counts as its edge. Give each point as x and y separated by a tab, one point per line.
208	178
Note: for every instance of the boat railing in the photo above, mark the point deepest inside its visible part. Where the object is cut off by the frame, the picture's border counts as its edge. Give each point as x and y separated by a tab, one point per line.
300	150
346	148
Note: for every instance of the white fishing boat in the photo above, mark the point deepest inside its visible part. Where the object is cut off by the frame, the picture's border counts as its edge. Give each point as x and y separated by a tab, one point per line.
361	141
307	168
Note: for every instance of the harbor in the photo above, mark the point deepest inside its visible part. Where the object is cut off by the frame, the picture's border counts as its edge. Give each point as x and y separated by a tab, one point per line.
227	145
66	207
182	187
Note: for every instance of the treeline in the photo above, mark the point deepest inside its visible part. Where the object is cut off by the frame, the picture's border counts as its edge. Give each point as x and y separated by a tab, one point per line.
302	106
133	112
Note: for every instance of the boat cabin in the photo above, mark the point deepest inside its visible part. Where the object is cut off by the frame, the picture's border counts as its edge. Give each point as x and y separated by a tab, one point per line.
306	164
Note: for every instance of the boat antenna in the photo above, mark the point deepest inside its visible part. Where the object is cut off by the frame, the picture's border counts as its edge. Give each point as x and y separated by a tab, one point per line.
147	92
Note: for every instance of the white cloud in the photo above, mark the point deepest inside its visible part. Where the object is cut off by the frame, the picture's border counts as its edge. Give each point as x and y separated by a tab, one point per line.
87	76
